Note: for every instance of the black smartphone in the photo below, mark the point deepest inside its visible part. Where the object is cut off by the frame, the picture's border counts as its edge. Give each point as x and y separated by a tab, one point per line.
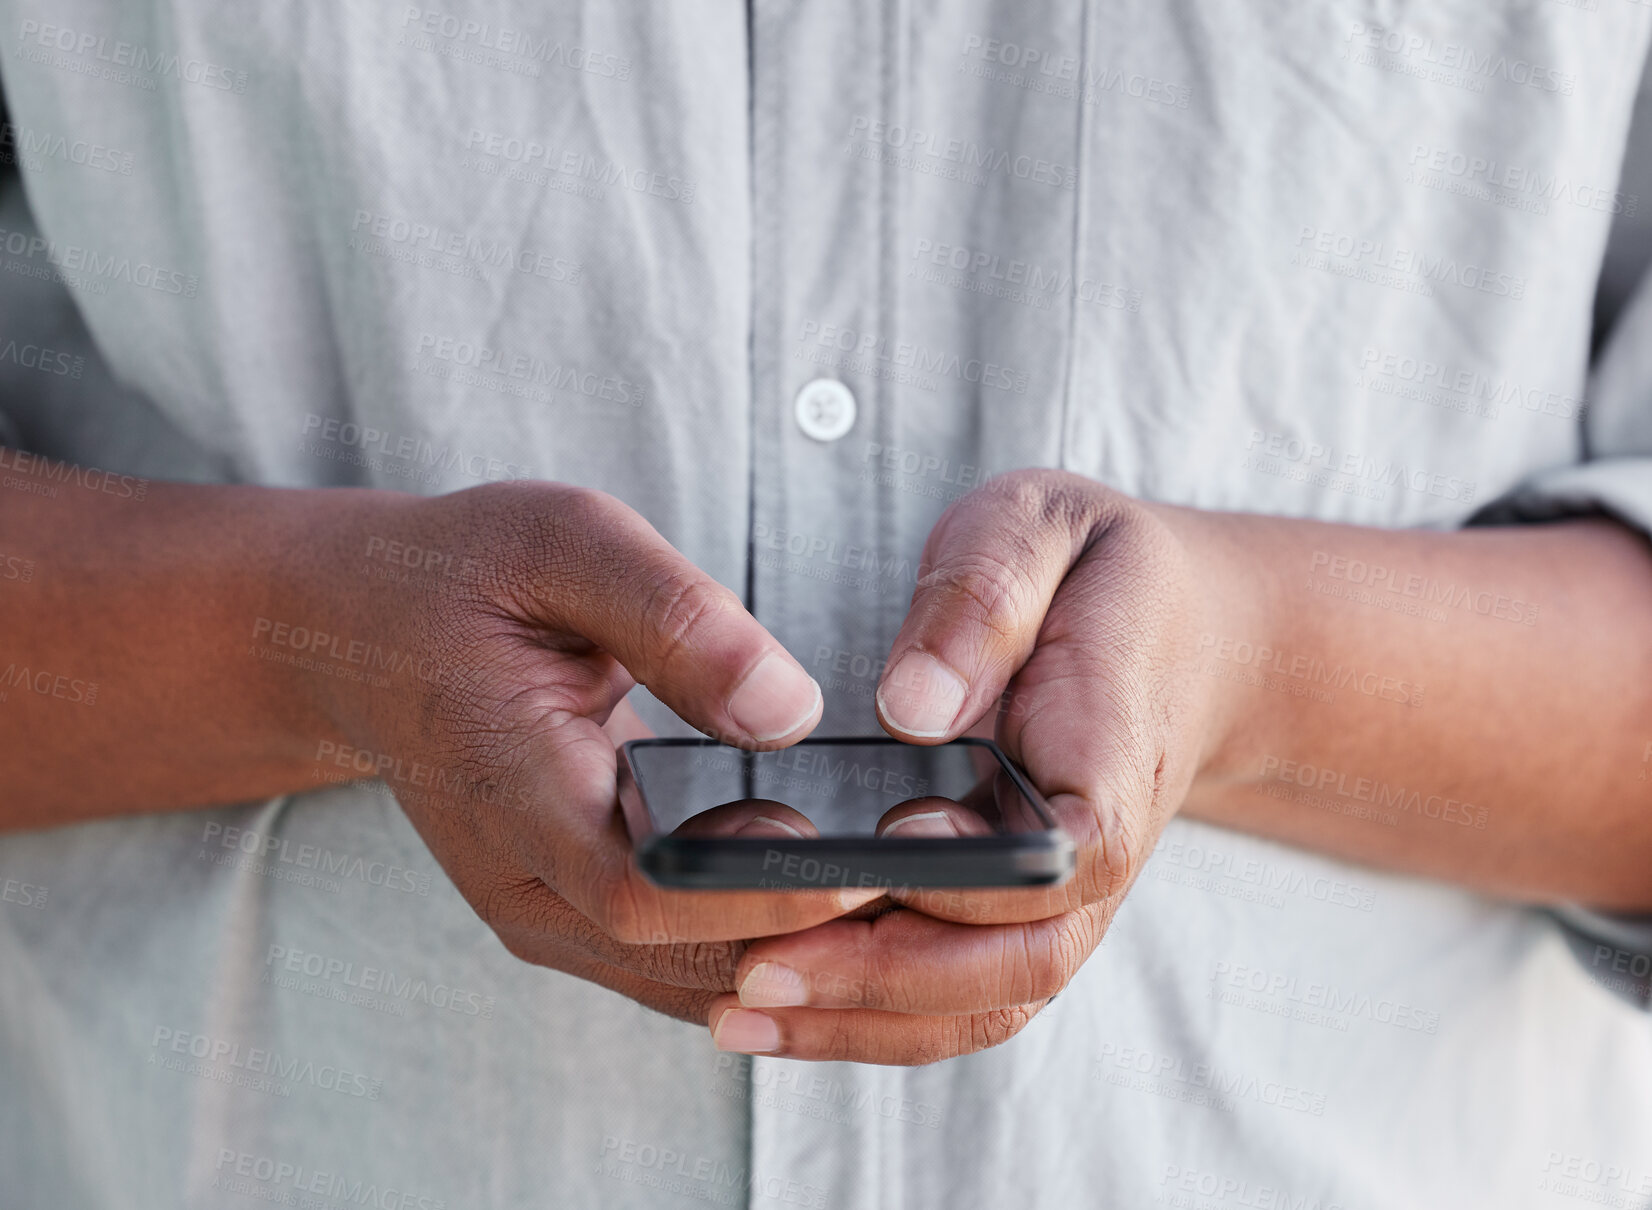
859	812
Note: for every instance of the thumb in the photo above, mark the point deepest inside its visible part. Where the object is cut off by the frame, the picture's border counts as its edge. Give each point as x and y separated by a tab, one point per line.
617	583
995	561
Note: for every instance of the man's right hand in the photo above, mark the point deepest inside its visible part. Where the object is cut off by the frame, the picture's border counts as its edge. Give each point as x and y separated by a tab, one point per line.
558	600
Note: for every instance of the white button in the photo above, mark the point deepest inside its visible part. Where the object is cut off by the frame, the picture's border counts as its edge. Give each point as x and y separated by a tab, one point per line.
825	409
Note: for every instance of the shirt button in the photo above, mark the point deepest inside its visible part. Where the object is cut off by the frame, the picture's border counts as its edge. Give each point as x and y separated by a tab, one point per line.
825	409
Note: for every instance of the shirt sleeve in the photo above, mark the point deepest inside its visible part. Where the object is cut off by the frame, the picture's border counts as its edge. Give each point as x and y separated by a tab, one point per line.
1614	477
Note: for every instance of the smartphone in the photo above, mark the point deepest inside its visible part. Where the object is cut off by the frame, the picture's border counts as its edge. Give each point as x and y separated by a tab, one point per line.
847	811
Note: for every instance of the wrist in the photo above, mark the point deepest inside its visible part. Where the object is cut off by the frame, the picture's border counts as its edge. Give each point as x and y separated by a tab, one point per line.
1227	614
344	563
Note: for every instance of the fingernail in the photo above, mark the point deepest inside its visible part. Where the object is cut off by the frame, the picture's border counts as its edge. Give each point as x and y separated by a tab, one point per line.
770	985
767	704
764	825
921	696
748	1033
924	823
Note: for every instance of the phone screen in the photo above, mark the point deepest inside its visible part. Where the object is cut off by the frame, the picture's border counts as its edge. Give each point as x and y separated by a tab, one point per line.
863	788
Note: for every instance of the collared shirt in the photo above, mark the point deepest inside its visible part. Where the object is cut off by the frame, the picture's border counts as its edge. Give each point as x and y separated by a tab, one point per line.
1331	260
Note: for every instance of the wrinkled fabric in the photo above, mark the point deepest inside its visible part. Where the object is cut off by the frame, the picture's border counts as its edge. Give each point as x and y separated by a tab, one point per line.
1330	260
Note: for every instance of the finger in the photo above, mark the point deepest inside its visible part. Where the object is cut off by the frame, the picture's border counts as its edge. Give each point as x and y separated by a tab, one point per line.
908	962
931	815
761	817
556	934
578	845
682	998
860	1035
993	564
607	575
998	798
1090	716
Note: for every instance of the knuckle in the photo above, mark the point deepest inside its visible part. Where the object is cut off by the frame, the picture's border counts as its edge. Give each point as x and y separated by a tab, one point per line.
554	530
1050	499
994	590
1024	492
845	1037
1118	854
708	966
621	914
677	605
872	988
1043	960
986	1030
537	534
574	511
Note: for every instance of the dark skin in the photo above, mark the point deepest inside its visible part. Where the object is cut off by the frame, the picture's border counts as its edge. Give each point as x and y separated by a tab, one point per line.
1113	646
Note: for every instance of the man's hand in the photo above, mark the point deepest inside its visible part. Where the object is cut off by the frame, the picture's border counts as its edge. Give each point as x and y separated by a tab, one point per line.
571	598
1073	615
1147	659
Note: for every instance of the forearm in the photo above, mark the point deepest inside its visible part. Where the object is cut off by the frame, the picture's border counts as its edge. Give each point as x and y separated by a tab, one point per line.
138	667
1480	710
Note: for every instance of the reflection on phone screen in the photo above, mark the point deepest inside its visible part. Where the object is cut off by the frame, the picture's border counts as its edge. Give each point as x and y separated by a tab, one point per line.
833	788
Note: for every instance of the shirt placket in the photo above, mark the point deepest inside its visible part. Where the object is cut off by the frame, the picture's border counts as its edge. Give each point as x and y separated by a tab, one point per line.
822	301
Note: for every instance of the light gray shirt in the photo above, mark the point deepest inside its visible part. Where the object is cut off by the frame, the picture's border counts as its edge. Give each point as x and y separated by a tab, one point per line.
1332	260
